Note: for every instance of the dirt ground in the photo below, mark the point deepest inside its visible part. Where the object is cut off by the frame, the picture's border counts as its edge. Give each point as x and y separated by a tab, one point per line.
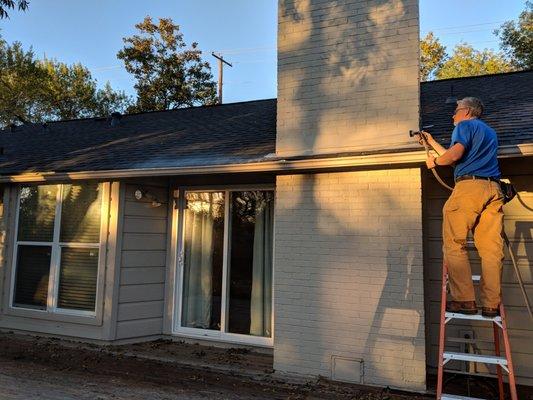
51	369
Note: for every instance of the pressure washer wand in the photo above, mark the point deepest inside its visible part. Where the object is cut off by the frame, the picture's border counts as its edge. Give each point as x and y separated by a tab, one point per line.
424	139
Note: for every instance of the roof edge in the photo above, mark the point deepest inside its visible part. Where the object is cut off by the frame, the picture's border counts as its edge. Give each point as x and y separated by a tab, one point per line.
277	166
525	71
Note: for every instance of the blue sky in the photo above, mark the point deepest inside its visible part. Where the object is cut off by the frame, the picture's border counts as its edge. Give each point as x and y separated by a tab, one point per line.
244	31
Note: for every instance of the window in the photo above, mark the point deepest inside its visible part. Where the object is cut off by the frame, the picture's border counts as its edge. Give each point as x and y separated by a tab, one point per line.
57	247
227	262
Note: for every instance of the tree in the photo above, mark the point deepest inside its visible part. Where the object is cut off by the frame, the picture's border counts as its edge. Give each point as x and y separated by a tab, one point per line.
71	92
10	4
32	90
109	101
466	61
432	56
516	39
21	88
168	75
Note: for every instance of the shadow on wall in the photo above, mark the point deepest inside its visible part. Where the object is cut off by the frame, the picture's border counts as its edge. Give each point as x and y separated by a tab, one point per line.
348	248
349	275
343	68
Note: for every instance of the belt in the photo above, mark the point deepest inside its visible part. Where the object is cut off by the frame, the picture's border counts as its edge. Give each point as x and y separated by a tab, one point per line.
474	177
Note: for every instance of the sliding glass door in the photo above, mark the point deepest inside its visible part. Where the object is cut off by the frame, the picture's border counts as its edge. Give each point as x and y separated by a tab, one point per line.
226	263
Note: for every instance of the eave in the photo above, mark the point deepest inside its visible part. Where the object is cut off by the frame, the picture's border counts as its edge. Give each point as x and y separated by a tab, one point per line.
277	166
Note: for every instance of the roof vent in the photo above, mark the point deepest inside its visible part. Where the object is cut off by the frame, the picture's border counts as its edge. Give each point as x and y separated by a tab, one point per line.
451	99
115	119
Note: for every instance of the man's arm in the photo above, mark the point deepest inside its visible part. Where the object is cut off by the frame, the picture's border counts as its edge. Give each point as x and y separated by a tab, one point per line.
433	143
450	156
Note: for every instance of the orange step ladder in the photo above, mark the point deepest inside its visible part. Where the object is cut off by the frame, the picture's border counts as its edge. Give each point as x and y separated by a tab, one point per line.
502	363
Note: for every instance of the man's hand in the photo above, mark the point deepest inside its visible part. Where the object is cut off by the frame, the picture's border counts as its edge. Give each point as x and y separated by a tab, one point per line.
430	162
426	135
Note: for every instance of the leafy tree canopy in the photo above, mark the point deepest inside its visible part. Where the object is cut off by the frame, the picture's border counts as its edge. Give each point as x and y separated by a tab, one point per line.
33	90
10	5
516	38
432	56
466	61
168	74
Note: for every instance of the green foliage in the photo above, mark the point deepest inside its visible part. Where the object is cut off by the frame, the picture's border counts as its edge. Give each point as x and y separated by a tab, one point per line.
432	56
34	90
466	61
21	87
516	38
10	5
168	75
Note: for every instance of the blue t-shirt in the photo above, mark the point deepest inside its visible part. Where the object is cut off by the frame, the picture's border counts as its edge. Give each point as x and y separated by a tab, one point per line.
481	149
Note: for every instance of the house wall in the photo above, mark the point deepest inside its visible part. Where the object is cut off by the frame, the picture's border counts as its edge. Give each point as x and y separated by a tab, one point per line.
143	261
347	75
519	229
95	328
348	282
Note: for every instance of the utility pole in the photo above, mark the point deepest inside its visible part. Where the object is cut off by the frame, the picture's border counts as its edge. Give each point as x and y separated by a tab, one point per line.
221	63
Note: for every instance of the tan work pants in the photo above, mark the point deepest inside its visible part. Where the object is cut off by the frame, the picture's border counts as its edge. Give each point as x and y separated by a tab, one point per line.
475	205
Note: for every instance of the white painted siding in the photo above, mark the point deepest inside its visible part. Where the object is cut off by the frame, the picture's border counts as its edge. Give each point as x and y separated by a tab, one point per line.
143	261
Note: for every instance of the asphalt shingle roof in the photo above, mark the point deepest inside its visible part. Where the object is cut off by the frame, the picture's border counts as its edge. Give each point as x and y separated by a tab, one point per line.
508	100
198	136
235	133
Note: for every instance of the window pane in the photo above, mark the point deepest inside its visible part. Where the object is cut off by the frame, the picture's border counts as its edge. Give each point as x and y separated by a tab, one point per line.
80	213
250	288
31	280
203	260
77	278
37	213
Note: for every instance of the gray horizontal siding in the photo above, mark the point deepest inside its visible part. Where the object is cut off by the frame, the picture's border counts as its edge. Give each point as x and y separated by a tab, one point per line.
142	275
518	224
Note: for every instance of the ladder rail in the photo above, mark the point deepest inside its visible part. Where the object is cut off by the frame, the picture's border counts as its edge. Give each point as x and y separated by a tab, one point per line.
507	346
442	330
502	363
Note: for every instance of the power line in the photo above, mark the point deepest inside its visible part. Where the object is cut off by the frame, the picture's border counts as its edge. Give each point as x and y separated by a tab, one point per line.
466	26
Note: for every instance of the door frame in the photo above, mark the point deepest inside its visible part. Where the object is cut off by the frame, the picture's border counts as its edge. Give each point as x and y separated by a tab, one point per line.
177	249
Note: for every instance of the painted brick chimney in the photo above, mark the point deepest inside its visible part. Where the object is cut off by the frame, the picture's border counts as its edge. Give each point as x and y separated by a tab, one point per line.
347	75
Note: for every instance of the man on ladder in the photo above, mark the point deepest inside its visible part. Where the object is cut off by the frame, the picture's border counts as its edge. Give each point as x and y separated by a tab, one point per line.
475	205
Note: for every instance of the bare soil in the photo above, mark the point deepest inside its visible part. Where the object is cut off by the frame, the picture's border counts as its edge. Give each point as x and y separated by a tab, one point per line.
50	369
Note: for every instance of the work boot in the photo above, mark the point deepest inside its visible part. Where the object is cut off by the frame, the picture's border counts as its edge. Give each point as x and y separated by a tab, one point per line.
490	312
462	307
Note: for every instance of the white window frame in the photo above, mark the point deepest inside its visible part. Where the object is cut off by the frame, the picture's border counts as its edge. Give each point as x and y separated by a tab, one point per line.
52	310
178	239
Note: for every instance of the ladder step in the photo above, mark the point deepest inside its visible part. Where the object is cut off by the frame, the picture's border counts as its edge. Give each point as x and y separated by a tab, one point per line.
455	397
474	317
475	357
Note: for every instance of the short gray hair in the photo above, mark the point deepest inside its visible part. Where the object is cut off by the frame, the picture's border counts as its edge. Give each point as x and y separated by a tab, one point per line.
474	104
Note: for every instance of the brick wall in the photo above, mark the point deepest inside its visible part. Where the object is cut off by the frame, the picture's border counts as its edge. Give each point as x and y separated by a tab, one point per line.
347	73
348	276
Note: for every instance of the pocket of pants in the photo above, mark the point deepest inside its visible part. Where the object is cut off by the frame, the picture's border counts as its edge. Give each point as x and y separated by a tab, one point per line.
451	205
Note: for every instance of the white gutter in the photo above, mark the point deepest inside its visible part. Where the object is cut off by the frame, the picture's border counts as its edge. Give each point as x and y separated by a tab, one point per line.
274	166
